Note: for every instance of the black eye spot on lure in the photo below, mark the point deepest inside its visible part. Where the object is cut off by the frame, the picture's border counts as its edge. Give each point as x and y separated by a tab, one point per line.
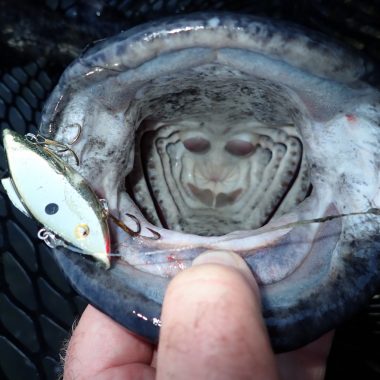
51	208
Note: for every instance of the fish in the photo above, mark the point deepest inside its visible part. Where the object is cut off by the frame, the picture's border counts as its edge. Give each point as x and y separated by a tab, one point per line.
44	187
225	132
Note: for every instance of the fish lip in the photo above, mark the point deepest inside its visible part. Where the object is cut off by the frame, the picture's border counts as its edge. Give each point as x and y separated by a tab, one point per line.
279	321
110	292
289	329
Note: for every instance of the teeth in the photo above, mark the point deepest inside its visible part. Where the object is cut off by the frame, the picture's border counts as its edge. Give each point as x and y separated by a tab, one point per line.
173	167
216	126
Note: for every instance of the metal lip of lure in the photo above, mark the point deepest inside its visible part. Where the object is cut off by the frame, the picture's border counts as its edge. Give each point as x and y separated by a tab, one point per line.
46	188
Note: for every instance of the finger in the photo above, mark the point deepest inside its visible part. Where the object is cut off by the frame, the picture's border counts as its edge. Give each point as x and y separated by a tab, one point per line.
102	349
308	362
212	326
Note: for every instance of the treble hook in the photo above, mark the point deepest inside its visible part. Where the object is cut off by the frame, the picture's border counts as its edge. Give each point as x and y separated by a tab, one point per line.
75	139
124	227
48	143
61	148
136	233
157	235
137	223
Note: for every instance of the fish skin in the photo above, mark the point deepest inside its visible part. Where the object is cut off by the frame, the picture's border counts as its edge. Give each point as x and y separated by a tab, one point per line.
39	178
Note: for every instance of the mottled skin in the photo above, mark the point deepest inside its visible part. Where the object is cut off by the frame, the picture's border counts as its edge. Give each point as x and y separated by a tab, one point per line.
312	276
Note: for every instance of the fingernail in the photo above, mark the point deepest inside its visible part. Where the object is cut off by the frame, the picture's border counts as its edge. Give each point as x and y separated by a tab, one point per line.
230	259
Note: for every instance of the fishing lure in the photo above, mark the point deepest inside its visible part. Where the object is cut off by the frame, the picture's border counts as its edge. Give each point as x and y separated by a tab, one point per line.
46	188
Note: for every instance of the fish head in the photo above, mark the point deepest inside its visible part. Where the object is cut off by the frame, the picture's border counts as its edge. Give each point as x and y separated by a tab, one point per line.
226	132
56	196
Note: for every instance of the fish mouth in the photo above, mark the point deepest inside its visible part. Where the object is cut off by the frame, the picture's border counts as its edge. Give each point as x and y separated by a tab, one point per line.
225	132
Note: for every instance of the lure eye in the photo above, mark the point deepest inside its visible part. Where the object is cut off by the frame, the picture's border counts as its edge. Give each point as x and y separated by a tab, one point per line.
82	231
51	208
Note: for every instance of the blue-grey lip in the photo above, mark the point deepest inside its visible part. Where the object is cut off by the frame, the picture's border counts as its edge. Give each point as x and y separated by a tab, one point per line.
315	290
291	324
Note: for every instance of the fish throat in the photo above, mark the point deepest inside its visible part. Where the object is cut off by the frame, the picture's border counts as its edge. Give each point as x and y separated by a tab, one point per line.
216	151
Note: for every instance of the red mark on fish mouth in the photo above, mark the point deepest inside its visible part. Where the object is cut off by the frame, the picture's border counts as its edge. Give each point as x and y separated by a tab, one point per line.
351	118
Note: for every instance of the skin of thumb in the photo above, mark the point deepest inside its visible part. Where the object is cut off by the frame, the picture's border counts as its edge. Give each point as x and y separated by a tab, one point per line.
212	326
229	259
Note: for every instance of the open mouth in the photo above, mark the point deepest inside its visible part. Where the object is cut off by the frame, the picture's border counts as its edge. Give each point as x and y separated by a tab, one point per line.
226	132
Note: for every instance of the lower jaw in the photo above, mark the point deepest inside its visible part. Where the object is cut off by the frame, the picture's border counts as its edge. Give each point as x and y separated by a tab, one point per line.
296	311
274	252
308	274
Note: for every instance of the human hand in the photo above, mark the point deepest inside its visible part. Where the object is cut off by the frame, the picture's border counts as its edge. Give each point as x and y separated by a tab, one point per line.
212	328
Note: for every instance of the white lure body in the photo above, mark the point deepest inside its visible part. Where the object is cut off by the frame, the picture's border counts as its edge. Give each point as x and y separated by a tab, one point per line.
45	187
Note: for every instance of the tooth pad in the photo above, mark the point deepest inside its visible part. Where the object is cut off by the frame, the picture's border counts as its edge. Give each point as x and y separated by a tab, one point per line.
38	306
266	182
31	331
216	191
